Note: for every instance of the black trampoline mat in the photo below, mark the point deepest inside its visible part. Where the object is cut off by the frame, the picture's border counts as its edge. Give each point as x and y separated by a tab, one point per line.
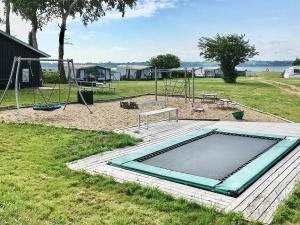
216	156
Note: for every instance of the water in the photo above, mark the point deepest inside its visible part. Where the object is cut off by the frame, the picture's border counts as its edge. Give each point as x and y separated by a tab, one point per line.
249	68
263	68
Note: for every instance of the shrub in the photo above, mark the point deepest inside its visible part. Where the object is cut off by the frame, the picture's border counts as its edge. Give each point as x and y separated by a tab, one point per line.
50	77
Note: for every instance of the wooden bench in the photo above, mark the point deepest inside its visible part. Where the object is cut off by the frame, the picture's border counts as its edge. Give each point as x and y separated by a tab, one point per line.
155	112
209	97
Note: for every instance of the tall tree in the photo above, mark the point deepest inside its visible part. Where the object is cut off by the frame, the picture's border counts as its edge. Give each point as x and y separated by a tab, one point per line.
7	9
167	61
296	62
89	11
37	12
229	51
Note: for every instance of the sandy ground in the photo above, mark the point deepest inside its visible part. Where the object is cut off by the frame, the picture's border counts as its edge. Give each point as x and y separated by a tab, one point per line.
110	116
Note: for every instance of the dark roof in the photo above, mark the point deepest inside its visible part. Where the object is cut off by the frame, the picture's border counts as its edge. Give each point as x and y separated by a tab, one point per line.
42	54
92	67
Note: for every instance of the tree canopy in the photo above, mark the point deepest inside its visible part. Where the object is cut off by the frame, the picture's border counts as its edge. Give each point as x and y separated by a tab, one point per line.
296	62
167	61
37	12
88	10
229	51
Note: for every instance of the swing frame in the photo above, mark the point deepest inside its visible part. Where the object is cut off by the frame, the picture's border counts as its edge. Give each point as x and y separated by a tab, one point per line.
185	87
15	73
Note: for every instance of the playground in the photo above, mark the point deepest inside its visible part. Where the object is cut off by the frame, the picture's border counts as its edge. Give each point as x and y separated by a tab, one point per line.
110	116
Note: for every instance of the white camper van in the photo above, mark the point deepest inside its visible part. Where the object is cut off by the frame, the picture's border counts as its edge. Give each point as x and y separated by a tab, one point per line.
292	72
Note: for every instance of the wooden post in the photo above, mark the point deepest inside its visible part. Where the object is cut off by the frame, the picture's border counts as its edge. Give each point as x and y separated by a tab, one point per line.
9	80
155	77
185	86
17	89
193	86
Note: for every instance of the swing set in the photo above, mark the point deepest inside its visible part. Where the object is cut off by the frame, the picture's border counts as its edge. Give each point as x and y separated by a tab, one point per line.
47	105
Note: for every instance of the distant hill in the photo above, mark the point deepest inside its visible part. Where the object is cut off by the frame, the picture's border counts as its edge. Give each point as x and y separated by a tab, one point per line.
253	63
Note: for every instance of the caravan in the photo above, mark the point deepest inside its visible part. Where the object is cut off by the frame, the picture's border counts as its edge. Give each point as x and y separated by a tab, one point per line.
292	72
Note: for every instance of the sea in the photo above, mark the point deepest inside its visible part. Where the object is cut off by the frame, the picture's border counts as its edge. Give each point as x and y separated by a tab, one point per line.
53	67
263	68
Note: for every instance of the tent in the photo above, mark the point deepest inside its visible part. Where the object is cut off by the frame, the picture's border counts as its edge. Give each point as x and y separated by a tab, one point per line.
292	72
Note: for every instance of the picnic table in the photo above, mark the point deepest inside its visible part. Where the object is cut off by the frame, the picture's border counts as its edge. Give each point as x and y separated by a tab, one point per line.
225	103
212	97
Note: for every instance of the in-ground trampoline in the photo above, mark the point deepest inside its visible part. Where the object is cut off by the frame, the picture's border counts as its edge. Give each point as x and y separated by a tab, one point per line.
225	162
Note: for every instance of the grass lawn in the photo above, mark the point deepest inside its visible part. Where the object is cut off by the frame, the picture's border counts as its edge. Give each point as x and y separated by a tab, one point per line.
249	91
37	188
277	77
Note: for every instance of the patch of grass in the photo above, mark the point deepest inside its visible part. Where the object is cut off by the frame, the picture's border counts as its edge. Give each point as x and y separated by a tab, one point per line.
289	212
36	187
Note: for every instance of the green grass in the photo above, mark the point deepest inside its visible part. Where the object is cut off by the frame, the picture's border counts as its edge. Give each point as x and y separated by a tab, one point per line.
289	212
36	187
255	94
277	77
248	91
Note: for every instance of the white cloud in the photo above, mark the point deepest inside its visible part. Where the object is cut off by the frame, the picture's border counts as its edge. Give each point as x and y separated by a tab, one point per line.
144	8
19	27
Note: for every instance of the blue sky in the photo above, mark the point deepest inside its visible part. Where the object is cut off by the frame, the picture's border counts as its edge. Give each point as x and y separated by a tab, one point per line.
174	26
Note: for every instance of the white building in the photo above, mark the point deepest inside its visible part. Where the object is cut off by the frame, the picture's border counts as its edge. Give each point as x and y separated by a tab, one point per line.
135	72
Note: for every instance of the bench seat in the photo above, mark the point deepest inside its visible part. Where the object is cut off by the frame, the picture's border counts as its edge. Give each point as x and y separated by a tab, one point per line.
155	112
158	111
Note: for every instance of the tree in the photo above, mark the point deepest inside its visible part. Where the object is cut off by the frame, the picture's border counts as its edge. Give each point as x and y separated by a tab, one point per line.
38	12
229	51
296	62
7	9
88	10
167	61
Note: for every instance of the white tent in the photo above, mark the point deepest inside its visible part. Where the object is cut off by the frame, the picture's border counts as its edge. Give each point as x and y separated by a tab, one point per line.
292	72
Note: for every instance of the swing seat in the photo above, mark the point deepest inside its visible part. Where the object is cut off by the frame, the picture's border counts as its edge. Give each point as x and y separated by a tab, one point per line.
47	107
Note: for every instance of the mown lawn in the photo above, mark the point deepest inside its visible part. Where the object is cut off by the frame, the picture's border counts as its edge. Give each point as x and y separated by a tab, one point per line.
248	91
37	188
277	77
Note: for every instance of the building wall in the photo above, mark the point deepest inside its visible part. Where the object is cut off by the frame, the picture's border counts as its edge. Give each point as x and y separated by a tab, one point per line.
100	74
8	50
134	74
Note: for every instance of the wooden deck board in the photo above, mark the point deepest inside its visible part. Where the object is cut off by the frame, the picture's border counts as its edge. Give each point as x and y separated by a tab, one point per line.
255	190
270	193
258	202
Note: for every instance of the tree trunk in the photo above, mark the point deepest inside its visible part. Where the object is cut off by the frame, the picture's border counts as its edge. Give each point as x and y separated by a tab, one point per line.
34	28
62	32
7	14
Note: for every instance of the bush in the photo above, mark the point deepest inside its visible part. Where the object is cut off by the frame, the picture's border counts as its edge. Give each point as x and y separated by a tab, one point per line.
50	77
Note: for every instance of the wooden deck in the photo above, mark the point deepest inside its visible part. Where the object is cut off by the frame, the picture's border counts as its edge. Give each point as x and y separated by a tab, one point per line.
258	202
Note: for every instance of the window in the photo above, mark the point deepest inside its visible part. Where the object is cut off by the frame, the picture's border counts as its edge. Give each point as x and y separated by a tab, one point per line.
25	75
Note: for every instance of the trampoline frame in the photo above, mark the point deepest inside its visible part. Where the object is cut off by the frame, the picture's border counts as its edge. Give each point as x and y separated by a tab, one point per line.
233	185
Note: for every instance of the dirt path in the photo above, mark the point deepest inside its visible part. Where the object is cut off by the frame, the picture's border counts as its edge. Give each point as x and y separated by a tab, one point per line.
282	86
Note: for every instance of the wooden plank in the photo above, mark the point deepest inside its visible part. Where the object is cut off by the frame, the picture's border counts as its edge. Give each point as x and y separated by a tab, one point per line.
258	202
175	189
250	194
263	200
267	217
273	198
